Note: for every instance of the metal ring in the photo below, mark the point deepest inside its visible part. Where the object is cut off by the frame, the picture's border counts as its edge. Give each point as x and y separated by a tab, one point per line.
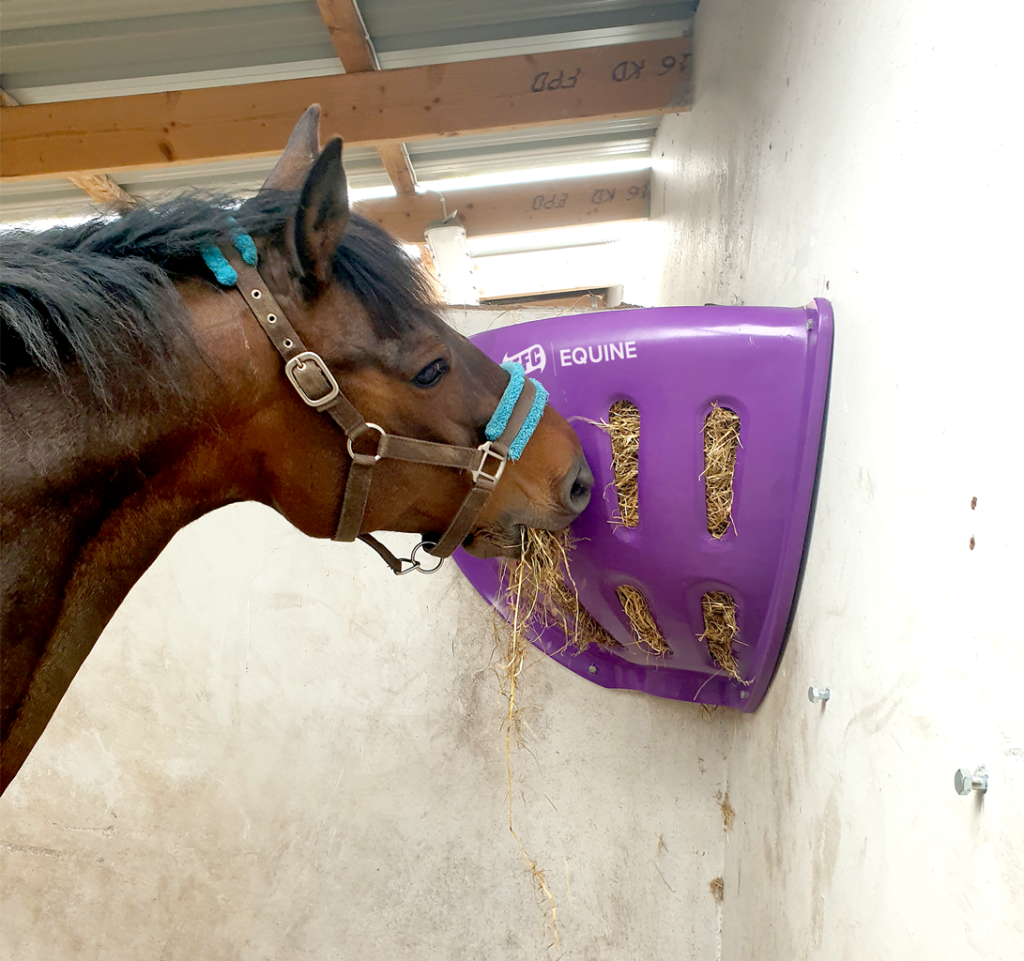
271	318
256	295
366	457
418	566
287	344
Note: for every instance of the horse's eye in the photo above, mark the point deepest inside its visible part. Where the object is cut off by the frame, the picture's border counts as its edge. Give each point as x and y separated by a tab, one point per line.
432	373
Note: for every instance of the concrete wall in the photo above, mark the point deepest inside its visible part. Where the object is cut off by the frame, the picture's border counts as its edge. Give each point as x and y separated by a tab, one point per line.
871	152
279	750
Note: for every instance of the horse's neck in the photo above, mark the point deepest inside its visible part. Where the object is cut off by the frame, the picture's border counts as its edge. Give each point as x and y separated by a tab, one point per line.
88	504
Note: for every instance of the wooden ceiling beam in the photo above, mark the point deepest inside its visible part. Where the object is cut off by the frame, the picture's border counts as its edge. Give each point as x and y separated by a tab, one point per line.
355	51
103	189
98	186
349	35
382	107
395	157
486	211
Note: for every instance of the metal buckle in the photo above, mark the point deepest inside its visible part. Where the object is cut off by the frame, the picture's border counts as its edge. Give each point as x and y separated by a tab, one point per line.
487	451
367	458
298	362
415	564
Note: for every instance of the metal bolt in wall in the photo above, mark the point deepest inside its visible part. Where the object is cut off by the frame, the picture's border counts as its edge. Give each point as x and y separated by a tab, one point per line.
815	694
965	782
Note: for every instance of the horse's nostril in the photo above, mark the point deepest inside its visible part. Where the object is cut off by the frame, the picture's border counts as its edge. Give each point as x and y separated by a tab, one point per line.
578	488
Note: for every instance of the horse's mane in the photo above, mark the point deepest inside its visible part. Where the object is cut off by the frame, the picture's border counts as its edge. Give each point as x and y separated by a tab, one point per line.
101	294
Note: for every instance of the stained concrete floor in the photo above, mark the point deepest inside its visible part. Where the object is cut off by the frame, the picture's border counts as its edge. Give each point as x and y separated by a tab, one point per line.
871	152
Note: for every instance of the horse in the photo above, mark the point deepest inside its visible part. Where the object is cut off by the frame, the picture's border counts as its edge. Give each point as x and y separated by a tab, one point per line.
141	389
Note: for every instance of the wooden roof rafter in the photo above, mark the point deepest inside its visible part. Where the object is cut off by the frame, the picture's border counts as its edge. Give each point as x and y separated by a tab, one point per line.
486	211
98	186
376	108
355	51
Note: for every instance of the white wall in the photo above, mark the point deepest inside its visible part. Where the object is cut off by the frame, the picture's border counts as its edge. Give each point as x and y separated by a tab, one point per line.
871	152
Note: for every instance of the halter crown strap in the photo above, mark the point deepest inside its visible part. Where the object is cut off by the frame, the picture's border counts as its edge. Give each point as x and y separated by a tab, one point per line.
514	421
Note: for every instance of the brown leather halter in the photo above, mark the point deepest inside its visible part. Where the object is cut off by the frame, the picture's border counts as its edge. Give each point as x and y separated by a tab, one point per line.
312	379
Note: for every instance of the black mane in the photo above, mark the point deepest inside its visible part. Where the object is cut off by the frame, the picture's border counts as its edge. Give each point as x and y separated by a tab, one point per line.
101	295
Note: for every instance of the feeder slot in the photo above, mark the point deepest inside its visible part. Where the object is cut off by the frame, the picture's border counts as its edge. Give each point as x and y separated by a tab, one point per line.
720	630
641	621
624	432
721	440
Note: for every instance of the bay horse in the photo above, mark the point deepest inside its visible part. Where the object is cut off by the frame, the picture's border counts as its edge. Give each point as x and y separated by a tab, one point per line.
139	393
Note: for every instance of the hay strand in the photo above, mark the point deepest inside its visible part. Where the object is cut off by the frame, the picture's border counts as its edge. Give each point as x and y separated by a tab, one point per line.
623	430
721	440
645	629
538	590
514	657
721	630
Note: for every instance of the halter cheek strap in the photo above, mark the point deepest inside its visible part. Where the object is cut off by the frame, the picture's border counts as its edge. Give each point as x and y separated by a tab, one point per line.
510	428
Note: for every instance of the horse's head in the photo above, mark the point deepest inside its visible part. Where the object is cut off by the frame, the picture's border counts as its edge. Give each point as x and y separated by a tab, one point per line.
358	301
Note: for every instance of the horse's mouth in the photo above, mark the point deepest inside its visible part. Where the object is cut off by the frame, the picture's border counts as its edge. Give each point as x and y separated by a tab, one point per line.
487	542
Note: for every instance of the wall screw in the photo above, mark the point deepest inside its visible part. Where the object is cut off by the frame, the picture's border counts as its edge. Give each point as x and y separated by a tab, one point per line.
815	694
965	782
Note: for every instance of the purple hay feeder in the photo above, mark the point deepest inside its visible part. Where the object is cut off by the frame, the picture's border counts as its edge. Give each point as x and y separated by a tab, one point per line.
769	365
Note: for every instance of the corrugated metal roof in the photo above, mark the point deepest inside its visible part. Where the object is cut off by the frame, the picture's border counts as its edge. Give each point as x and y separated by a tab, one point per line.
54	50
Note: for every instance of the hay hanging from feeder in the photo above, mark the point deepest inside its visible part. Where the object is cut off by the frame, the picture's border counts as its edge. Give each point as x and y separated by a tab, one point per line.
721	440
522	587
720	631
537	588
623	430
645	630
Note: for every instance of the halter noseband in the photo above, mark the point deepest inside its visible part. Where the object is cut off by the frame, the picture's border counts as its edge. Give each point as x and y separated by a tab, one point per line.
514	420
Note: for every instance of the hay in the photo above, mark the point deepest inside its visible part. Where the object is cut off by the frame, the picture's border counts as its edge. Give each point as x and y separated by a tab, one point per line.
720	631
645	630
538	588
513	644
623	429
721	439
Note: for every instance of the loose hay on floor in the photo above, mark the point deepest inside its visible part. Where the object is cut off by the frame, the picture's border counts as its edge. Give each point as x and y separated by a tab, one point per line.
623	430
720	631
721	440
645	630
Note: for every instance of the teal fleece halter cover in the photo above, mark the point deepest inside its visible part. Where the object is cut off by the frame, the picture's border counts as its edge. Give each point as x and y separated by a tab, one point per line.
497	423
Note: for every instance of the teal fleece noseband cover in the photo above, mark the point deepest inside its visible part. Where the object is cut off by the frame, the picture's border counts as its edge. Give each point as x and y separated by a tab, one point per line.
496	425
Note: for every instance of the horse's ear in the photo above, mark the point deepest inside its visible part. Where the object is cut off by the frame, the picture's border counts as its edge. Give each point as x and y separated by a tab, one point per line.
299	155
322	215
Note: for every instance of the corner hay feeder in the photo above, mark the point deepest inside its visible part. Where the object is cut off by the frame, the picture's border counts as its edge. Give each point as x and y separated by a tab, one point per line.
686	562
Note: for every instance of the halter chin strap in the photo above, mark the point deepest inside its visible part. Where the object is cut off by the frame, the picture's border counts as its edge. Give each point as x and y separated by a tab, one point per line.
507	433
